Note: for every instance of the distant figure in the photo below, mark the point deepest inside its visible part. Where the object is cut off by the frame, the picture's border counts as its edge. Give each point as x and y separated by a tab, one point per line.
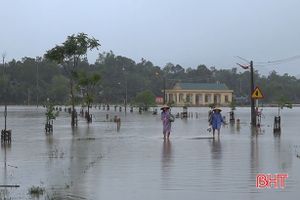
210	112
216	121
117	120
165	117
118	123
154	112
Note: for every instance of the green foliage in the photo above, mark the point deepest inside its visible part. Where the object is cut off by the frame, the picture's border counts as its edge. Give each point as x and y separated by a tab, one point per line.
69	54
58	89
283	102
145	99
72	49
87	84
50	112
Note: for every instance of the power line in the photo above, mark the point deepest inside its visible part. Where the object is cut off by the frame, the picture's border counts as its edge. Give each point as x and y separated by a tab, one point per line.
244	59
272	62
280	61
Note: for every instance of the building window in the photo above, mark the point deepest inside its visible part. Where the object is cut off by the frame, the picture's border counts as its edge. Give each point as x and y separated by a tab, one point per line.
188	98
226	99
180	97
199	99
217	98
207	98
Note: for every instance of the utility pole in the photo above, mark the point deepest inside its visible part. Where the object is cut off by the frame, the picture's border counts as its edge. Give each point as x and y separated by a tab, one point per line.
5	93
4	132
28	96
37	83
253	114
125	90
125	94
164	85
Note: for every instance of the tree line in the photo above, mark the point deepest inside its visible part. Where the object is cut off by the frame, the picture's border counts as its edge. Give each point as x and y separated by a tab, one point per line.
34	80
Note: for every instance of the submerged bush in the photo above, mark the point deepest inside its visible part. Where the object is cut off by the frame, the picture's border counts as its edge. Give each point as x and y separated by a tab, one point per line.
36	190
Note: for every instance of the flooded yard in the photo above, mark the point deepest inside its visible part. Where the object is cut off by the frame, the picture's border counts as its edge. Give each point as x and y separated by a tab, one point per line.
96	161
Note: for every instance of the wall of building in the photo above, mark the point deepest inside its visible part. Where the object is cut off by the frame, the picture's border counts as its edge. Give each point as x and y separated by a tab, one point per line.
199	97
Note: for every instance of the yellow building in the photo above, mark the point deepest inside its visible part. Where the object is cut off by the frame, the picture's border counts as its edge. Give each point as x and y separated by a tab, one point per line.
199	94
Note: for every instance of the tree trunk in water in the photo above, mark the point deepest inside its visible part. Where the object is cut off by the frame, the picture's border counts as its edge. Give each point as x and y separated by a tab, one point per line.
89	113
73	103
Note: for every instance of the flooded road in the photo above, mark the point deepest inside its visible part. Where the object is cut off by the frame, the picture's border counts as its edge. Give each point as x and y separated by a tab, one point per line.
97	162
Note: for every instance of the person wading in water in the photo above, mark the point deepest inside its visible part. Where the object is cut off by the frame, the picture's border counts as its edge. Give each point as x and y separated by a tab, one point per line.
216	121
166	118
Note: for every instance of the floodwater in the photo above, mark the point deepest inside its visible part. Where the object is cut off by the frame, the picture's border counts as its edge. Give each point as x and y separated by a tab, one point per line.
96	161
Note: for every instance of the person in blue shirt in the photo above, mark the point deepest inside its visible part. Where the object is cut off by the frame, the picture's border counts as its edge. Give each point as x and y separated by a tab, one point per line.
216	121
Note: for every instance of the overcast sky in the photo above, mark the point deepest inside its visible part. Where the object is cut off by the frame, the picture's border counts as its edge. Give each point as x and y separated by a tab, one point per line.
185	32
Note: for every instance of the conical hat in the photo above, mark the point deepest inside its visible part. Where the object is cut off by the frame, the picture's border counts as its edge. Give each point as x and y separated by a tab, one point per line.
164	106
217	108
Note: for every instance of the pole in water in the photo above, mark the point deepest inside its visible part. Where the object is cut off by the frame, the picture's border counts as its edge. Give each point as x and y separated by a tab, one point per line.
5	115
257	113
253	117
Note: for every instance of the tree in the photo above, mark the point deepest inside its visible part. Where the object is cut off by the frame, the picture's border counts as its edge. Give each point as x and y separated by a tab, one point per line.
283	102
50	112
145	99
58	89
173	69
50	116
87	84
69	55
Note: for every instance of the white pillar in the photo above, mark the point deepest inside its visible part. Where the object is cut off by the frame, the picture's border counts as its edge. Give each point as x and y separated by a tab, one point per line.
222	100
194	99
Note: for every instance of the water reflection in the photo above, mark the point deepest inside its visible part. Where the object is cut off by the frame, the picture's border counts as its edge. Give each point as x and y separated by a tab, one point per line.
5	147
232	127
238	125
254	153
166	163
216	148
4	194
81	159
277	134
216	164
49	140
282	154
136	165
